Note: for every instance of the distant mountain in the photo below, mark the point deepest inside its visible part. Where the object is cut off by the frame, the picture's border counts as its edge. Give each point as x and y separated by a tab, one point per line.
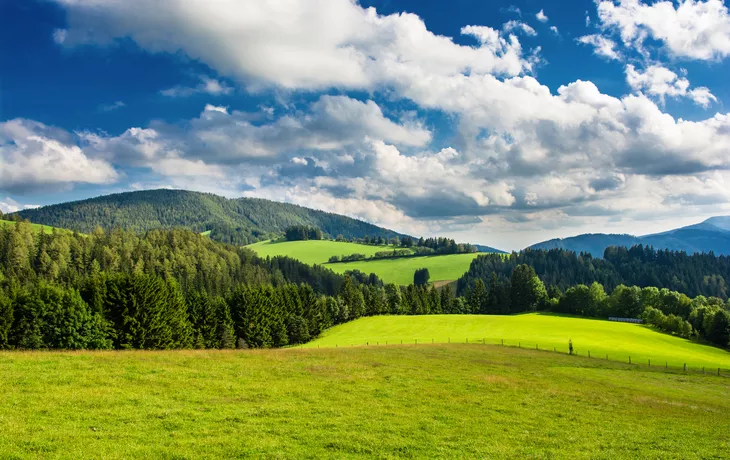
237	221
482	248
712	235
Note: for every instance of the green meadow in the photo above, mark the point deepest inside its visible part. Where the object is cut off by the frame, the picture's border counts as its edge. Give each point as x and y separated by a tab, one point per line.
434	401
546	331
400	271
36	227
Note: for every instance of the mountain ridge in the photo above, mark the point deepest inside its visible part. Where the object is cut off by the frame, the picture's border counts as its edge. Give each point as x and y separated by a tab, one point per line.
710	235
231	220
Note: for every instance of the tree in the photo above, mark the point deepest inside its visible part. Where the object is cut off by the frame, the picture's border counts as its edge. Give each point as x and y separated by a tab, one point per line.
6	319
421	277
527	291
719	330
477	298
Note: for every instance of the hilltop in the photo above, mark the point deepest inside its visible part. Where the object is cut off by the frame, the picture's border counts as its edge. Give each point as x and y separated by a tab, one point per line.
236	221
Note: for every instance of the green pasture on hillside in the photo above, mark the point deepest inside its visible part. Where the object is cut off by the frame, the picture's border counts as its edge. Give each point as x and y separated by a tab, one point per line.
314	251
547	331
440	401
399	271
36	227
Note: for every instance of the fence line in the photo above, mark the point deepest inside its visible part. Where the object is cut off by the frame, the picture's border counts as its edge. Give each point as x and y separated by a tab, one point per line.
722	372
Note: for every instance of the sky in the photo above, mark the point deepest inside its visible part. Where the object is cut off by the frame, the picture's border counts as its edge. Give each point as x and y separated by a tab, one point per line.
502	123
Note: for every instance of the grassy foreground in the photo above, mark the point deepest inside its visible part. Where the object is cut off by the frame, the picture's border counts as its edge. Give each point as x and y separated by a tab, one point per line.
399	271
601	338
432	401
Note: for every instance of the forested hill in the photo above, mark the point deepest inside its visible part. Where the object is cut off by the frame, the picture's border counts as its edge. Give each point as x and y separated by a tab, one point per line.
712	235
693	275
235	221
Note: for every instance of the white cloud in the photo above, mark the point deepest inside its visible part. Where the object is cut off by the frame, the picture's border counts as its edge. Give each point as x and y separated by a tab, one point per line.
113	106
8	205
32	155
512	26
660	82
207	85
554	30
693	29
602	46
306	45
541	16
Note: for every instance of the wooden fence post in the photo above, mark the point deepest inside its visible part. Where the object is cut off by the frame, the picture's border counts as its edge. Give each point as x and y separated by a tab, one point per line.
536	347
649	363
629	359
589	353
685	367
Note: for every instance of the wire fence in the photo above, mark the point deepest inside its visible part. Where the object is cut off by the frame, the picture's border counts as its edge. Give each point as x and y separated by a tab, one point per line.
688	368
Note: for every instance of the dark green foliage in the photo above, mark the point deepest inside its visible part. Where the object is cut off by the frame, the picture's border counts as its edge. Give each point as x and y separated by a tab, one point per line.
235	221
527	292
6	319
693	275
719	329
302	233
421	277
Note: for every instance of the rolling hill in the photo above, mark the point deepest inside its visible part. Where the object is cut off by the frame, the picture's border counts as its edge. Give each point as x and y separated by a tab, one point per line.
237	221
547	331
712	235
36	227
447	267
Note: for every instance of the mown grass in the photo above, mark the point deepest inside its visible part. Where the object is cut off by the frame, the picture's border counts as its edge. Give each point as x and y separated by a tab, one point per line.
37	227
399	271
617	340
314	251
435	401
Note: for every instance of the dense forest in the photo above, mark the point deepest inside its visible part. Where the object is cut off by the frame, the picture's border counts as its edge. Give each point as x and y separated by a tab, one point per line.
235	221
693	275
178	289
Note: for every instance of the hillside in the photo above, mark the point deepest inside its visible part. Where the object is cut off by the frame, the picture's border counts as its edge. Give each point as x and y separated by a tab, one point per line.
444	401
711	235
547	331
399	271
237	221
36	227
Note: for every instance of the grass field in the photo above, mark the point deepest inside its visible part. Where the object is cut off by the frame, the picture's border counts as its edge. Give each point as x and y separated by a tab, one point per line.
399	271
601	338
36	227
435	401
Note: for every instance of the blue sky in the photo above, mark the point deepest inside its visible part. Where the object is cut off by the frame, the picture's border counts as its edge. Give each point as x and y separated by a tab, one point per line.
501	123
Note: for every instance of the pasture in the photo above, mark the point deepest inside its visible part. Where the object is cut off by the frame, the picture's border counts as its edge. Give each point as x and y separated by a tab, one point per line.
400	271
548	331
36	227
445	401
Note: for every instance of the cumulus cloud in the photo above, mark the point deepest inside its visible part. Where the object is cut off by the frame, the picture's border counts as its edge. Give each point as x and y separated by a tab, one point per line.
33	155
541	16
661	82
602	46
523	152
512	26
692	29
295	45
8	205
207	85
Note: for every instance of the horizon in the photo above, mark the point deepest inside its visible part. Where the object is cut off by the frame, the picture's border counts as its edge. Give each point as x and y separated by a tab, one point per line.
504	124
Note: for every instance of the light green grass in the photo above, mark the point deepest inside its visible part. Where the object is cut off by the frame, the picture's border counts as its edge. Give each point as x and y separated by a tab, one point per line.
206	233
440	401
601	338
399	271
37	227
314	251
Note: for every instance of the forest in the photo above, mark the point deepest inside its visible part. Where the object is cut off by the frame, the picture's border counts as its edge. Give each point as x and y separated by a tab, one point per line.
178	289
235	221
